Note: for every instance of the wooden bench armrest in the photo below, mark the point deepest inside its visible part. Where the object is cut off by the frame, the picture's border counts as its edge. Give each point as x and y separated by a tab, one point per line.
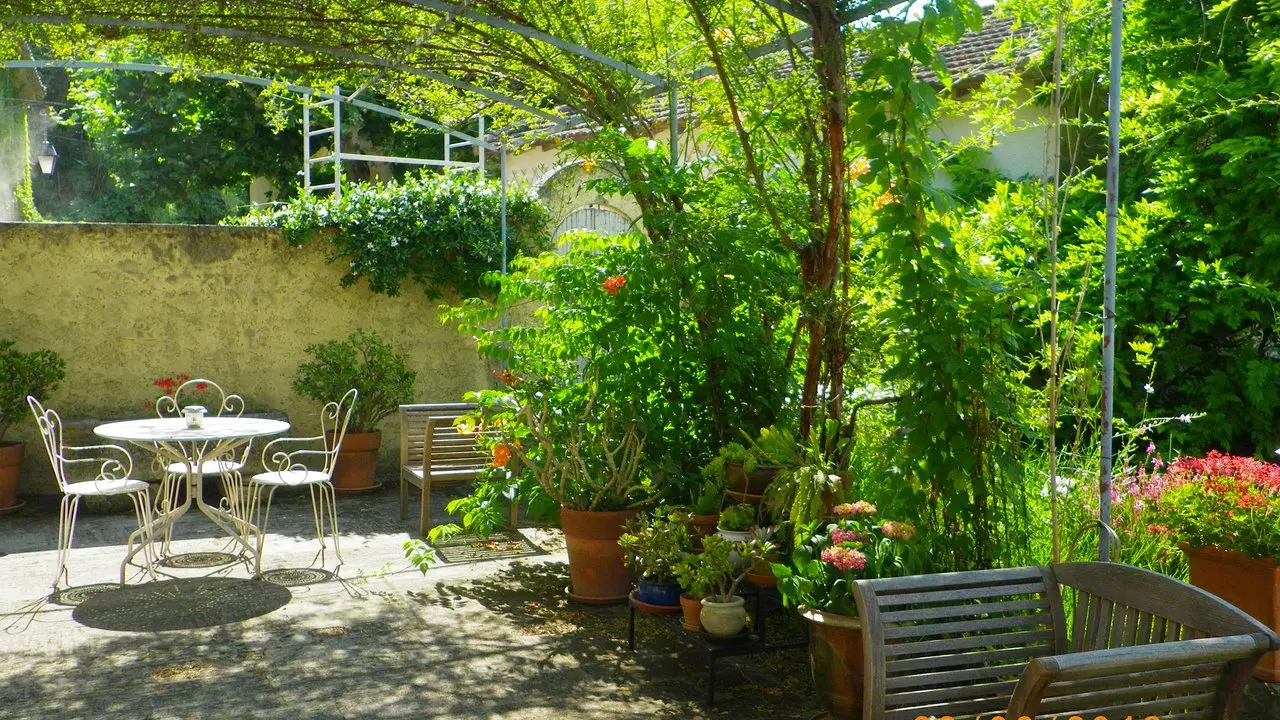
1126	662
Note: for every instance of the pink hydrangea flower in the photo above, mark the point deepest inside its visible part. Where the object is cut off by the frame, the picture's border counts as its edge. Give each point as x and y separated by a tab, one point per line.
844	558
898	530
840	535
862	507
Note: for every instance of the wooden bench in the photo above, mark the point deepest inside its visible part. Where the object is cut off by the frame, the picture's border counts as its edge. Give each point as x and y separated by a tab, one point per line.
1076	639
434	454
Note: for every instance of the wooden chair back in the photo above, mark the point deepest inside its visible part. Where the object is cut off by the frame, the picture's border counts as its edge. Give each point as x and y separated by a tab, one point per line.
413	427
954	644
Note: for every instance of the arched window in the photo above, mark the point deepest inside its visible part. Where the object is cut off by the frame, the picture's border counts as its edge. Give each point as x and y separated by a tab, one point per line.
594	218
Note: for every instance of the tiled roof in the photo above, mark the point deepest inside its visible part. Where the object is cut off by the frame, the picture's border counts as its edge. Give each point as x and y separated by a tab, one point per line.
968	60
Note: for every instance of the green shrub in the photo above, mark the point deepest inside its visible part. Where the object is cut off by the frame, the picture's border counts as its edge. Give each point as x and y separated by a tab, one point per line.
36	373
365	362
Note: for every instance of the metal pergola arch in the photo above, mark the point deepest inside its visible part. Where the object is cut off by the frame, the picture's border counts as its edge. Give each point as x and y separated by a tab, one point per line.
451	11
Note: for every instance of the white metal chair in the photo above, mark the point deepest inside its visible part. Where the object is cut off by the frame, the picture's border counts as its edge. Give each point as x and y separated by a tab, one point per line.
234	497
286	469
111	478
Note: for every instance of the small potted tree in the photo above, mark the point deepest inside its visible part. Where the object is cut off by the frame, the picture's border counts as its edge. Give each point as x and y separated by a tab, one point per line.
369	364
653	547
717	573
36	373
704	505
587	459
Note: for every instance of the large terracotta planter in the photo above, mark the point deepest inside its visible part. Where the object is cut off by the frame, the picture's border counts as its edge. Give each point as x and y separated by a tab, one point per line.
10	468
1249	584
836	661
595	559
748	488
357	459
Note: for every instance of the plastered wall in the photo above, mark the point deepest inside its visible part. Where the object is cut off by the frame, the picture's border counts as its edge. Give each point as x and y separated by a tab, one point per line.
128	304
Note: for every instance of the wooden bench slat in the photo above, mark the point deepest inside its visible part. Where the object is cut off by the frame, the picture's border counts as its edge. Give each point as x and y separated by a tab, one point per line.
1185	672
984	706
887	587
1025	637
923	680
965	626
1130	695
917	698
950	611
1146	708
983	657
971	593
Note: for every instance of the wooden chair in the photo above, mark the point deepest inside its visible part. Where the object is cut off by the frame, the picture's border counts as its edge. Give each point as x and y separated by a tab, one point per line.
1087	639
434	454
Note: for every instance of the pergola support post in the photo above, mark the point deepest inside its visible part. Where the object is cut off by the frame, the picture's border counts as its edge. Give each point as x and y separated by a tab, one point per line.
1109	284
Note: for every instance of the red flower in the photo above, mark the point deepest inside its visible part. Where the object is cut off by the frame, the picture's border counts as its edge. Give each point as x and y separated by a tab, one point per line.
202	386
501	455
147	405
507	377
613	284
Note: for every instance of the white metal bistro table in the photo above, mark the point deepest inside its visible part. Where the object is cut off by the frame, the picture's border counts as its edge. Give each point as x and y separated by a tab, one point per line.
173	442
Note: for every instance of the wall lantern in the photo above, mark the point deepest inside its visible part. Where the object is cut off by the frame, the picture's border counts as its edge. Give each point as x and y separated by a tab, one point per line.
47	157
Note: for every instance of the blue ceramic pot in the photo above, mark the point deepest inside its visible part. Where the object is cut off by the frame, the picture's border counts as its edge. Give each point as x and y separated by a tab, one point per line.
654	593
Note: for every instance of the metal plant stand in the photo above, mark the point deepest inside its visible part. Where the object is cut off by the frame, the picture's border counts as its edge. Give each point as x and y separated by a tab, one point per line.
763	601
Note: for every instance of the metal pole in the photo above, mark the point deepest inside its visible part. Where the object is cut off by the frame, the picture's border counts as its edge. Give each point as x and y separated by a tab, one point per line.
673	120
306	146
337	142
502	185
1109	281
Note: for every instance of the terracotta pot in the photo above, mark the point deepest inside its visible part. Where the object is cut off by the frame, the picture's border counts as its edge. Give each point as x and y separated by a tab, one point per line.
357	459
10	468
836	661
724	619
750	488
1253	585
701	526
595	559
761	573
692	608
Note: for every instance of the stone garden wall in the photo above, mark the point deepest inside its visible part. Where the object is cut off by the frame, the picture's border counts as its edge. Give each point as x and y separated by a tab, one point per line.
128	304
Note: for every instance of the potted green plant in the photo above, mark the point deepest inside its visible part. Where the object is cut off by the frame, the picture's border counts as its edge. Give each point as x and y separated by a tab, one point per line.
37	374
819	583
366	362
1224	512
653	547
691	582
704	505
805	491
587	459
735	522
717	575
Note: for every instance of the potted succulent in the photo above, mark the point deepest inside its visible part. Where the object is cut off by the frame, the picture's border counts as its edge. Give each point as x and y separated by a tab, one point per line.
716	575
369	364
760	573
820	584
1224	511
585	458
36	373
653	547
735	522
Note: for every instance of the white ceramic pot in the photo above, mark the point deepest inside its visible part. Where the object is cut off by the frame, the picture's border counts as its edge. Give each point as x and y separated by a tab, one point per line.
734	535
724	619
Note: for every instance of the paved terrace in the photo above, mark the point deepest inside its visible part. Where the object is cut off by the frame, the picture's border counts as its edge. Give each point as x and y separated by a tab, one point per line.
490	639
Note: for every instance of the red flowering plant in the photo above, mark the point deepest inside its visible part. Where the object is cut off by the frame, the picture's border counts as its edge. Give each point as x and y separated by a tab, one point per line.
1224	501
856	544
196	394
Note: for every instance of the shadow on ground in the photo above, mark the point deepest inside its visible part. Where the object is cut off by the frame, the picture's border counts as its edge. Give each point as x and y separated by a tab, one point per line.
507	645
